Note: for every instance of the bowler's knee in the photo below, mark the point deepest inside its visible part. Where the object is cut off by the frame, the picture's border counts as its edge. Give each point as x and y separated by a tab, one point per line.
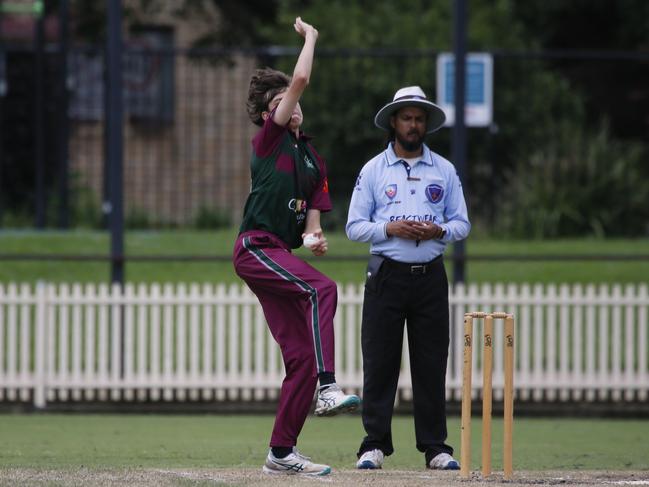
299	363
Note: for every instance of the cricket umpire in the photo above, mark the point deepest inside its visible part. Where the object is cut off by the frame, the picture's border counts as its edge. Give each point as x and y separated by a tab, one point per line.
408	203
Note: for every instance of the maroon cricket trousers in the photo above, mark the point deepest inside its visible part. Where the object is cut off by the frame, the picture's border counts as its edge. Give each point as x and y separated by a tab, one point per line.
299	303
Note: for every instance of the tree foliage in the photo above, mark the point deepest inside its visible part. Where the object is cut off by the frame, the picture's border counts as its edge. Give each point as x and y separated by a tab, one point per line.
577	184
611	85
542	113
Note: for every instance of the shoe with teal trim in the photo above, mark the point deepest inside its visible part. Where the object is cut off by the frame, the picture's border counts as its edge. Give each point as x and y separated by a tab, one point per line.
332	400
294	464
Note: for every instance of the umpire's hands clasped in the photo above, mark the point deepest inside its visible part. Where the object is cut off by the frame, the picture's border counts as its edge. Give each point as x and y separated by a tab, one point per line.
413	230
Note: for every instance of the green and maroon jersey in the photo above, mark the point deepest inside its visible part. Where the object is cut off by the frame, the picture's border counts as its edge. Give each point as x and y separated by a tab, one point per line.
288	177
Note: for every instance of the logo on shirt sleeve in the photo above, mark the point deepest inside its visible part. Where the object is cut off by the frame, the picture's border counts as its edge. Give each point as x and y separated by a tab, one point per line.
357	185
325	186
434	193
391	191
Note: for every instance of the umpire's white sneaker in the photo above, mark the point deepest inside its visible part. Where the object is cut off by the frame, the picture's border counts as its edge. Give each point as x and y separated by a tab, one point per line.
443	461
370	460
294	464
332	400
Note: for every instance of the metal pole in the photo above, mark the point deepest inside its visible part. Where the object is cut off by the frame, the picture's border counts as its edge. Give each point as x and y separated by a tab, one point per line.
39	124
114	138
3	92
105	181
64	209
459	128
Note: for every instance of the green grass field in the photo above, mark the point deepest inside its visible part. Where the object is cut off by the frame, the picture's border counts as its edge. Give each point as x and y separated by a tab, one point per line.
217	441
220	243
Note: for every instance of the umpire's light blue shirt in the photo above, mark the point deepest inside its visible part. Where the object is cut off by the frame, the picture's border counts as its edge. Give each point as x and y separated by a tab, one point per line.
385	192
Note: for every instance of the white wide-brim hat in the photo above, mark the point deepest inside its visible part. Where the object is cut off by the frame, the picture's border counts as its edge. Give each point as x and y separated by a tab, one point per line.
411	96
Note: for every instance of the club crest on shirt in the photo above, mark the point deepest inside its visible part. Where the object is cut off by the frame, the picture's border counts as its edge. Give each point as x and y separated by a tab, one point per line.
297	205
434	193
391	190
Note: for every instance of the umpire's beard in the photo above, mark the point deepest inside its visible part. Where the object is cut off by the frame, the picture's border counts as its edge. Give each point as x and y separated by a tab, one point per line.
410	145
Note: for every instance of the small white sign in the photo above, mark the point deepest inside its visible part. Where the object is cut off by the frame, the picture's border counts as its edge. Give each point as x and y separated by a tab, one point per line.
478	109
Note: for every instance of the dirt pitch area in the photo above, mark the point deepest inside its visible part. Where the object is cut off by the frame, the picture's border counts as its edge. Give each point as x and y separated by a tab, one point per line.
155	477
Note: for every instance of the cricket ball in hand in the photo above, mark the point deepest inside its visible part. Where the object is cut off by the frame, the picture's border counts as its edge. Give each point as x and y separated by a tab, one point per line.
310	240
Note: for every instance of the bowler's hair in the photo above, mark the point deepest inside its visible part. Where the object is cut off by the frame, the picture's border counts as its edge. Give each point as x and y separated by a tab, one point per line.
265	84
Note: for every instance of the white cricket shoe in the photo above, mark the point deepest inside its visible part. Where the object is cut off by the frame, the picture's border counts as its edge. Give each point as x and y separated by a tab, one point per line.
443	461
332	400
294	464
370	460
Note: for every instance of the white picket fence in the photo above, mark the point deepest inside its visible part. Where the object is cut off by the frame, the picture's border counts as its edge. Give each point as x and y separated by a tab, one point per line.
205	343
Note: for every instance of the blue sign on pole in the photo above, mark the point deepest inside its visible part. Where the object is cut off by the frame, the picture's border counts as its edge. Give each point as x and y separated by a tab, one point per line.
479	88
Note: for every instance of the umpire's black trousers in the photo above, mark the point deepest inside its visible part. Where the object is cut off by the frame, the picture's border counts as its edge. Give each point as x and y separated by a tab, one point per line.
418	295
